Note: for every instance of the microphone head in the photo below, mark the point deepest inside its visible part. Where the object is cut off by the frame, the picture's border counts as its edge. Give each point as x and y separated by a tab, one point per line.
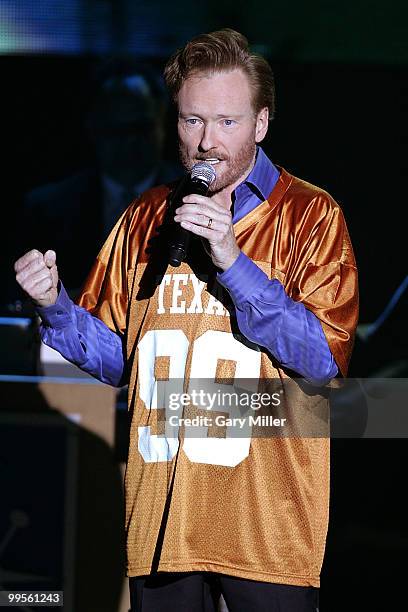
203	171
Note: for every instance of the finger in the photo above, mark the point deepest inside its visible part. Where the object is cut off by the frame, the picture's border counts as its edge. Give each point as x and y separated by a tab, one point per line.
32	268
41	278
194	197
54	275
205	232
222	215
204	201
41	289
29	284
26	259
203	221
50	258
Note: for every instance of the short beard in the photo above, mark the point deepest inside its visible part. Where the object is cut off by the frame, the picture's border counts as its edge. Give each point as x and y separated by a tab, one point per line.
237	166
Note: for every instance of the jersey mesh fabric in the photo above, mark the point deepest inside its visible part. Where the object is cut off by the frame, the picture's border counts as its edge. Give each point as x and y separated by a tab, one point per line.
253	508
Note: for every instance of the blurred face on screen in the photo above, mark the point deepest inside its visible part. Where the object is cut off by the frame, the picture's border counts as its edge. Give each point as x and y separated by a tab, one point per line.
128	135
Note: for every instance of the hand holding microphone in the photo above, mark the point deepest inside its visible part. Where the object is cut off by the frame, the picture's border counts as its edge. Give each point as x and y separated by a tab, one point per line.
199	181
208	218
37	275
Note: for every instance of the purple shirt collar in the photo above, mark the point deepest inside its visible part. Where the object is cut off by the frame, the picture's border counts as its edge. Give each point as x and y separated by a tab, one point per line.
257	186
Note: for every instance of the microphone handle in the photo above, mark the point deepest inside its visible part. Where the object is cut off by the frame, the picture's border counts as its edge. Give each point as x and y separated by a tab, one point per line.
181	238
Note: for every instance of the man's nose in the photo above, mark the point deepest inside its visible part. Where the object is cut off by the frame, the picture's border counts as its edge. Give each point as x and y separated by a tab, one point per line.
208	138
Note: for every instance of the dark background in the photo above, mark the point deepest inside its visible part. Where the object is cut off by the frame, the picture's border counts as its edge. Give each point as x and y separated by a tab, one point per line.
342	96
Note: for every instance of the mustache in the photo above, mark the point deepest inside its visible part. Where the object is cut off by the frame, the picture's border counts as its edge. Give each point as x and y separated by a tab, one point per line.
209	155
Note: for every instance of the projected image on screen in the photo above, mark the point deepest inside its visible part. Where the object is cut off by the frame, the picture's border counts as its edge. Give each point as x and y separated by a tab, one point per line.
75	27
49	25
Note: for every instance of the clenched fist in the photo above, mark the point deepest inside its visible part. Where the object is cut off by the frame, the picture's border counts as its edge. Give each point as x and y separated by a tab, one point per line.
37	274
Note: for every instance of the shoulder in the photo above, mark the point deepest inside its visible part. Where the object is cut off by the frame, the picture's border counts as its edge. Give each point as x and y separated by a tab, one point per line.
154	196
144	214
149	202
305	205
305	197
314	218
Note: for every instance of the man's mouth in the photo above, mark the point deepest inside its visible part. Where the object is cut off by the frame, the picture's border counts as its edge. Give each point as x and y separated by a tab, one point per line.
212	160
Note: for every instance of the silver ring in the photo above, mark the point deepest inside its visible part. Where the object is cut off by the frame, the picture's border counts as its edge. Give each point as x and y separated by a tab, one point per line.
209	223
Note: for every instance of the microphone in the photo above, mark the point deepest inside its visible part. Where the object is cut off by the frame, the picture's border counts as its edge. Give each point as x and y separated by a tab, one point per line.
199	181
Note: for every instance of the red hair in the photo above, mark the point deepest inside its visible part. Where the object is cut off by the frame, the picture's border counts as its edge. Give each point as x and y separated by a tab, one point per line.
219	51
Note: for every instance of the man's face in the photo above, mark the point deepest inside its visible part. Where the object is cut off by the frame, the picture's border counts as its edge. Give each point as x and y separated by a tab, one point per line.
217	124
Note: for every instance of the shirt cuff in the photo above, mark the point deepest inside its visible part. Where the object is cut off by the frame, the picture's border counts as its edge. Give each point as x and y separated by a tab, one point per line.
242	279
58	314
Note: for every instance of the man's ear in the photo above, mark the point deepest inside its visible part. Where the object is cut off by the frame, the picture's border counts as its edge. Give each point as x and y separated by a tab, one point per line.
262	124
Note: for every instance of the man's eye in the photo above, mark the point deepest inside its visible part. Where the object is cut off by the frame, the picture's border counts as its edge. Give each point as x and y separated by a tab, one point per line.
228	122
191	121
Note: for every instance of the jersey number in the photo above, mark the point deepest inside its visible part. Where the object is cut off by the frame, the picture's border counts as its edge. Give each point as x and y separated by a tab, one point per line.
207	350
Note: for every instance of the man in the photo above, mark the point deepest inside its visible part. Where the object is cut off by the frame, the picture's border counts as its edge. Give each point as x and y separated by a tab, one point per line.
270	292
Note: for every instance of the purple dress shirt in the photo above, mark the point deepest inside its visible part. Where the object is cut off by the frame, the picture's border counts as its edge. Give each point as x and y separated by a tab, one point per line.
83	339
265	314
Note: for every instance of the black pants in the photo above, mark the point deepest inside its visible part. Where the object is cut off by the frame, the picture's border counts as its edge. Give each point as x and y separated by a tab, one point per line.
200	592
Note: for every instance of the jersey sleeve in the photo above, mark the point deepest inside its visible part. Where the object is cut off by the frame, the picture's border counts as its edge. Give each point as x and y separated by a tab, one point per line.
105	292
325	277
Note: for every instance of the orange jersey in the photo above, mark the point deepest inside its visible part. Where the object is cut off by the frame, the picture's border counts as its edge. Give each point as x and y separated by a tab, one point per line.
250	507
